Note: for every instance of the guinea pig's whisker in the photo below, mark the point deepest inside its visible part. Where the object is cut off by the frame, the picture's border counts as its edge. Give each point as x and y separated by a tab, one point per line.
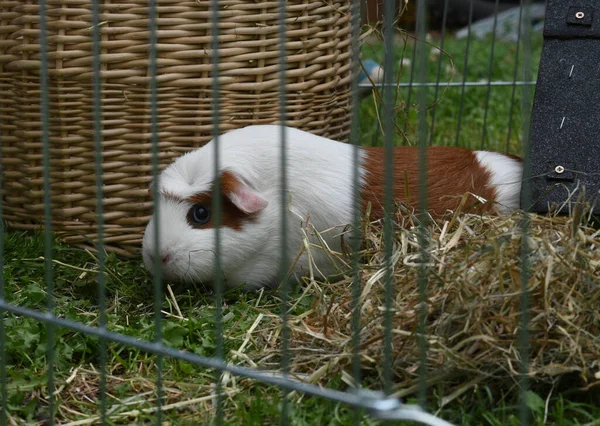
224	277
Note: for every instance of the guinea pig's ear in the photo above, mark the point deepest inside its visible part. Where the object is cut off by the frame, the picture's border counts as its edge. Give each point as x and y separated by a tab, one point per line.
243	197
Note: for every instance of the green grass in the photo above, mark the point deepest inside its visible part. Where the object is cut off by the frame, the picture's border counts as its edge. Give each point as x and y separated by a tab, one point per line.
131	373
446	130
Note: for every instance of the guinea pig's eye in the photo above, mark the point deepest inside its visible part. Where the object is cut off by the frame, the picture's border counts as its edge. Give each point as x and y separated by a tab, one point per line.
199	214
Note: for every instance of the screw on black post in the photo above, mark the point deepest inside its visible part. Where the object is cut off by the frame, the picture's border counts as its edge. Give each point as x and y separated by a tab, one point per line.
464	75
388	146
524	344
158	270
98	143
488	92
284	266
48	276
217	207
423	233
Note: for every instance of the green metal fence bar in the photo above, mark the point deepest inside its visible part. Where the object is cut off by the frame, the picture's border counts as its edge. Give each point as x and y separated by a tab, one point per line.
439	69
48	276
284	264
3	360
524	346
423	220
464	71
217	205
388	144
490	69
358	210
98	142
454	84
410	85
158	282
515	75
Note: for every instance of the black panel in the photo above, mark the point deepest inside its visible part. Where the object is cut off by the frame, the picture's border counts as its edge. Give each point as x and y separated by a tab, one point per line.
565	121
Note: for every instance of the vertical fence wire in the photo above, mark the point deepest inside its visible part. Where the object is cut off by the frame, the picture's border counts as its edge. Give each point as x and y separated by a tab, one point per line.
48	276
388	146
524	344
284	263
439	70
357	202
490	70
3	360
98	142
515	76
464	75
158	284
421	67
410	84
217	205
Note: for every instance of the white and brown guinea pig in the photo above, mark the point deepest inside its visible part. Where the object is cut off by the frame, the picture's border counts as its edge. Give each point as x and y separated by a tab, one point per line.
319	179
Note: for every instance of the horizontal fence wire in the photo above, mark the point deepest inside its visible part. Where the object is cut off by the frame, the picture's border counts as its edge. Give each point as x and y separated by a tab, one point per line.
378	406
450	84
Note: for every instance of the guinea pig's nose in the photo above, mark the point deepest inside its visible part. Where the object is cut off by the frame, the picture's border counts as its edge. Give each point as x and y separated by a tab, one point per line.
165	257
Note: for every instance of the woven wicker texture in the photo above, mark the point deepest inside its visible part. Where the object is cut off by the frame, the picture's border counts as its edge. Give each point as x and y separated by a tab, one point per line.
317	81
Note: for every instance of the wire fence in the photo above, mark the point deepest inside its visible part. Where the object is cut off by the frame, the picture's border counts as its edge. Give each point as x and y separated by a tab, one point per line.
419	90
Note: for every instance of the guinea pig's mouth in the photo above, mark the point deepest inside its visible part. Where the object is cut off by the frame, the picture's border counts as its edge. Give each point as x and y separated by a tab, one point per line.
189	282
204	286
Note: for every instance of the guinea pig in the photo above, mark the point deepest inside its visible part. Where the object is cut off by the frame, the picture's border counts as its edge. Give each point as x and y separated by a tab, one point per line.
319	191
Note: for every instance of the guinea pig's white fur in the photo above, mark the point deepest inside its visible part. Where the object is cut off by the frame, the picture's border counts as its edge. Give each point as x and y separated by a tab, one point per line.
319	189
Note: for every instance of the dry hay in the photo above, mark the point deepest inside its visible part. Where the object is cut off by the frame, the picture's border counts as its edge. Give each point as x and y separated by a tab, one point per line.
473	308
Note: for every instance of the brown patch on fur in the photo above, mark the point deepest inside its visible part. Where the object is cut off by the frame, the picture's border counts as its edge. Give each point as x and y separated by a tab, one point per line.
451	172
231	216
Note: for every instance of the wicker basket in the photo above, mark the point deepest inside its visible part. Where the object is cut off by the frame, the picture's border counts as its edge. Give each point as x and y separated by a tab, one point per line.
318	85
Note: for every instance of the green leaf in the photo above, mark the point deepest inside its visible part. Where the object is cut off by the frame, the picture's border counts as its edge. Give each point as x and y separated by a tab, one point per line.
534	402
174	334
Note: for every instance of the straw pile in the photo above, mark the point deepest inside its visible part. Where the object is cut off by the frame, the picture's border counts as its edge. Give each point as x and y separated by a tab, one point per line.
473	308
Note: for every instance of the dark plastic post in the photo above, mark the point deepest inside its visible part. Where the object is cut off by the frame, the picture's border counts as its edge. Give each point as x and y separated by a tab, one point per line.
565	121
